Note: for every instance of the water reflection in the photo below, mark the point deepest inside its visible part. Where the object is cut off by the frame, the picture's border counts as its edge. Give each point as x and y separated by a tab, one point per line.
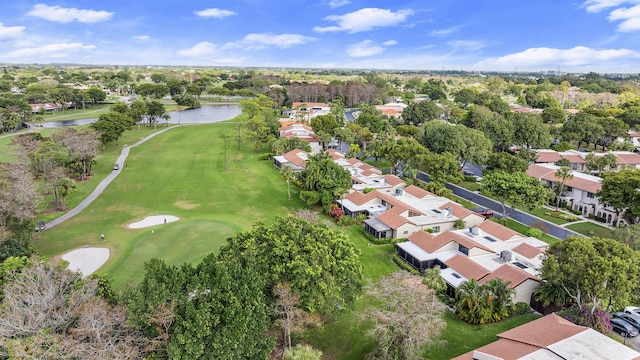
202	115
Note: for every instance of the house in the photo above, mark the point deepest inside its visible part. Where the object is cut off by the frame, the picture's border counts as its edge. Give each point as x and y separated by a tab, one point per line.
405	211
552	338
577	159
308	110
483	252
579	192
304	133
295	158
392	109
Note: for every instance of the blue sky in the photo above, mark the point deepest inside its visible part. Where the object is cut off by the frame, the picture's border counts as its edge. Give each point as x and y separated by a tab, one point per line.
503	35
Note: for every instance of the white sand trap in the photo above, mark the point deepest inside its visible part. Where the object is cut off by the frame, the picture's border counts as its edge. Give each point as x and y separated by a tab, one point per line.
152	221
86	260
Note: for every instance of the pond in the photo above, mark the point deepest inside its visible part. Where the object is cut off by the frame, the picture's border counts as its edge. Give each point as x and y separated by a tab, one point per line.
202	115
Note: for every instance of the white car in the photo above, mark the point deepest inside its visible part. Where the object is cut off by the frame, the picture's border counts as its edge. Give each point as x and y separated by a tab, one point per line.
632	310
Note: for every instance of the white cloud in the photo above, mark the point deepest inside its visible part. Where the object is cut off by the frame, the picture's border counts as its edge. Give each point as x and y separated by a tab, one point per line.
445	32
368	48
338	3
66	15
59	50
469	45
200	49
215	13
141	37
266	40
594	6
7	32
365	19
549	57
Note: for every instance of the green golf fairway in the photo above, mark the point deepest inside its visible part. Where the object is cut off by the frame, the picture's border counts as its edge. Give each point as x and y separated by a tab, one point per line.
179	173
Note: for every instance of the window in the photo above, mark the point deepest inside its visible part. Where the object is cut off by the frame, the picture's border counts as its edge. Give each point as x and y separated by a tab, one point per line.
406	232
569	189
456	276
590	195
435	229
490	238
463	250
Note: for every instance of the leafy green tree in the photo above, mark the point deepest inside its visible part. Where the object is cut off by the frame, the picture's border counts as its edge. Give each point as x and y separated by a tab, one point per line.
401	151
220	310
110	126
620	191
96	95
600	163
529	131
506	162
324	123
465	97
410	318
500	131
481	304
418	113
594	272
612	130
442	168
629	235
320	264
553	115
464	143
582	127
323	181
516	189
303	352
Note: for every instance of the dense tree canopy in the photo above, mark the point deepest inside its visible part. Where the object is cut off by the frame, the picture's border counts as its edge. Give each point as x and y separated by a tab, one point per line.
320	264
323	181
517	189
418	113
620	191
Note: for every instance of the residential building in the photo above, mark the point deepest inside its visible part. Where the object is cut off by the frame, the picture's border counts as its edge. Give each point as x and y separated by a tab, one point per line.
303	132
295	158
552	338
483	252
405	211
579	192
577	159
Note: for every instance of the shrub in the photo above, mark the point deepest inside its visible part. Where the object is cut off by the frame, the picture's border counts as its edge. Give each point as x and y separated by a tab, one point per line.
367	190
375	240
520	308
266	156
470	179
336	213
536	233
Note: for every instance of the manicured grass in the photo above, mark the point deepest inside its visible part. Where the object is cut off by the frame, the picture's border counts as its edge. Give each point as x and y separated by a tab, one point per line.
180	172
471	186
591	229
462	337
75	114
540	212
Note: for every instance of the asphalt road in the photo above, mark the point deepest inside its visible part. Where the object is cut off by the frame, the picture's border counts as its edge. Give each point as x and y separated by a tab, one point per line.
104	183
517	215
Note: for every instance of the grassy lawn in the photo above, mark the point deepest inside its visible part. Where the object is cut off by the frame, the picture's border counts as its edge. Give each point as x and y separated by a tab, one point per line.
591	229
462	337
540	212
471	186
181	173
75	114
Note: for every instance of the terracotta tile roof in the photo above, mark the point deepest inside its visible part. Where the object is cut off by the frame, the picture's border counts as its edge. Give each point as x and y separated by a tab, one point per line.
628	158
368	173
574	158
548	156
502	349
458	211
498	231
391	217
466	267
353	161
462	240
543	332
511	273
393	180
293	157
335	154
428	242
416	191
579	181
527	250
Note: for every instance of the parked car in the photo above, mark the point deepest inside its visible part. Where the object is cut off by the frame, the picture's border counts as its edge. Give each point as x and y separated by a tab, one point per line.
483	212
633	319
116	166
467	173
40	225
623	328
632	310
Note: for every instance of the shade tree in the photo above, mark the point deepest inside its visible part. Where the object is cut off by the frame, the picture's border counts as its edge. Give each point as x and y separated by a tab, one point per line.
515	190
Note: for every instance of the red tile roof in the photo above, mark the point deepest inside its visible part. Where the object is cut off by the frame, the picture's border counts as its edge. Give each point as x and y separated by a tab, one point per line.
527	250
466	267
544	331
416	191
548	156
628	158
511	273
393	180
293	157
574	158
498	231
458	211
462	240
541	172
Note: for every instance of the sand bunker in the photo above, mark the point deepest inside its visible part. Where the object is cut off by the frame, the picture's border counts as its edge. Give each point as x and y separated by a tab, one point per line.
86	260
153	220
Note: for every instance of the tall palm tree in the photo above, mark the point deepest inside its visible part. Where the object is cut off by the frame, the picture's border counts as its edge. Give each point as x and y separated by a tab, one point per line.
501	298
564	174
287	172
472	304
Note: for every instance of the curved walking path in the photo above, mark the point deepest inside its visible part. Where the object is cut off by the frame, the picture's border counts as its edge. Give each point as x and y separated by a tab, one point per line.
105	182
